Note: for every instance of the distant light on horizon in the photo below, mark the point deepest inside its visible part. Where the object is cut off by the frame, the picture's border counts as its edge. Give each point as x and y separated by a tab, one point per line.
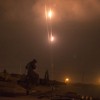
67	80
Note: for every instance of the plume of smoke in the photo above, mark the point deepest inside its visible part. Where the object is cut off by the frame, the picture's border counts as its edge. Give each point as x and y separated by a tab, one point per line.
71	9
63	9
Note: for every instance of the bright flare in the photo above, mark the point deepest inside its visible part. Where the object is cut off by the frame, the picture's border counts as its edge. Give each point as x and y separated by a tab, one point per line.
66	80
50	14
51	38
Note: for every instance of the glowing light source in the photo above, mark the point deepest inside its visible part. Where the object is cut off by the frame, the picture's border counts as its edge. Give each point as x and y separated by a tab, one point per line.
67	80
49	13
52	38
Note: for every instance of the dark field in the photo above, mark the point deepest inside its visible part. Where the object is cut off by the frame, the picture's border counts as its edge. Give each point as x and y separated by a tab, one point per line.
11	90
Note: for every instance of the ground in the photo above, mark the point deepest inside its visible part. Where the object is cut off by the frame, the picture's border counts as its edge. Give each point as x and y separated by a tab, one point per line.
13	91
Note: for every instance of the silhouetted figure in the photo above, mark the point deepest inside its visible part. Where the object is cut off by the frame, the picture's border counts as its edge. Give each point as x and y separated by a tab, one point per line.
46	78
32	78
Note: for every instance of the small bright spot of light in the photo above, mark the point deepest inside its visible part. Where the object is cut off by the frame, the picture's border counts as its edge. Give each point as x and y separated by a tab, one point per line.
66	80
51	38
50	13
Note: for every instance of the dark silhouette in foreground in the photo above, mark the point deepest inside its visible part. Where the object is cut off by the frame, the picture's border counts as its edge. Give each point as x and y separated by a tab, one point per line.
31	78
46	78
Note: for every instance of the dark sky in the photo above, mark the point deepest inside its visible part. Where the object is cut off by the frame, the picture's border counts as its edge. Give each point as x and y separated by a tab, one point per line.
76	27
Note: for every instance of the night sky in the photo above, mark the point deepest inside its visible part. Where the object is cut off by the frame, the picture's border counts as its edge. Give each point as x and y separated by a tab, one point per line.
76	28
